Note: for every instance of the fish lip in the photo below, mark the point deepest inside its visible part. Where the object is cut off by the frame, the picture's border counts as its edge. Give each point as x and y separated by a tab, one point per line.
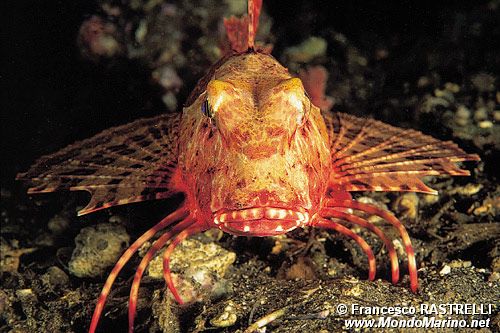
267	213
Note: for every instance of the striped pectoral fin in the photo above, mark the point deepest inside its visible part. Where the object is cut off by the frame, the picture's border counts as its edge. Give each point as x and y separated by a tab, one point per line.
129	163
369	155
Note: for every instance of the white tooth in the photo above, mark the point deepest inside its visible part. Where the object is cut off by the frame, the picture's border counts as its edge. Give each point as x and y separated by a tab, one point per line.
216	220
279	228
246	228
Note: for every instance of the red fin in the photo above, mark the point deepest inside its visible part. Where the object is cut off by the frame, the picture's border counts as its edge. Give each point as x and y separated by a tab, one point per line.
369	155
254	7
241	31
237	32
314	80
129	163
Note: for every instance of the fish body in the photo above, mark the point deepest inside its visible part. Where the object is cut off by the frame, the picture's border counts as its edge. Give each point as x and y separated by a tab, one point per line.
258	153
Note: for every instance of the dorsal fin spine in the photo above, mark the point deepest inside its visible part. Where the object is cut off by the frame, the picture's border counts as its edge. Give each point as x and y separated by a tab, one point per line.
254	7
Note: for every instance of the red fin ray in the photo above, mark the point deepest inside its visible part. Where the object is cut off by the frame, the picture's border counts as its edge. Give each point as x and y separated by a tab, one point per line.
124	164
369	155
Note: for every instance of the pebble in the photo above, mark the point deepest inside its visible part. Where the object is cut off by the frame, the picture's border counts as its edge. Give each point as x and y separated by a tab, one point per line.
488	206
446	94
429	199
407	204
468	190
165	312
495	276
495	265
483	82
460	264
481	114
445	270
55	277
485	124
58	224
496	115
97	248
192	254
198	268
462	115
452	87
227	318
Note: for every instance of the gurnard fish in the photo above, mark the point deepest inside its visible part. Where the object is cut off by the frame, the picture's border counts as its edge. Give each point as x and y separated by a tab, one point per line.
253	156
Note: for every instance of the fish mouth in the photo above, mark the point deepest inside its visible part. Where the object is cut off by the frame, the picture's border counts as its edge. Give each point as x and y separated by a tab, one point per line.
261	221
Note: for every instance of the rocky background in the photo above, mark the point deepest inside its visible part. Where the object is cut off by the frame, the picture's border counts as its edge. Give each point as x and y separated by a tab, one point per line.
75	68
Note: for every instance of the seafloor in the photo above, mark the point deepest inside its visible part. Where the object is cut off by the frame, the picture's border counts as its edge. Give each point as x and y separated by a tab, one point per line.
74	69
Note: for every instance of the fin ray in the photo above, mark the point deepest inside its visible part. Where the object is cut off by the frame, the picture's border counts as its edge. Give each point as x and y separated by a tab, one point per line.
368	155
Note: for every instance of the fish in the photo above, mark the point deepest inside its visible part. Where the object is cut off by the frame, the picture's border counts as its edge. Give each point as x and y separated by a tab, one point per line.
255	152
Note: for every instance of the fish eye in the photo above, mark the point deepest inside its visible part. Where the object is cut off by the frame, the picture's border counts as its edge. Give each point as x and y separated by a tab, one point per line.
206	108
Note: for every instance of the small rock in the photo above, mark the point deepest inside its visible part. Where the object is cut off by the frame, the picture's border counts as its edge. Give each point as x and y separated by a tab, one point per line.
141	31
169	100
4	302
55	277
303	269
462	115
167	77
496	116
25	293
485	124
355	291
481	114
446	94
227	318
97	248
445	270
430	103
198	268
165	312
192	254
495	265
10	255
58	224
460	264
117	219
98	38
483	82
495	276
423	81
407	204
452	87
468	190
429	199
488	206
